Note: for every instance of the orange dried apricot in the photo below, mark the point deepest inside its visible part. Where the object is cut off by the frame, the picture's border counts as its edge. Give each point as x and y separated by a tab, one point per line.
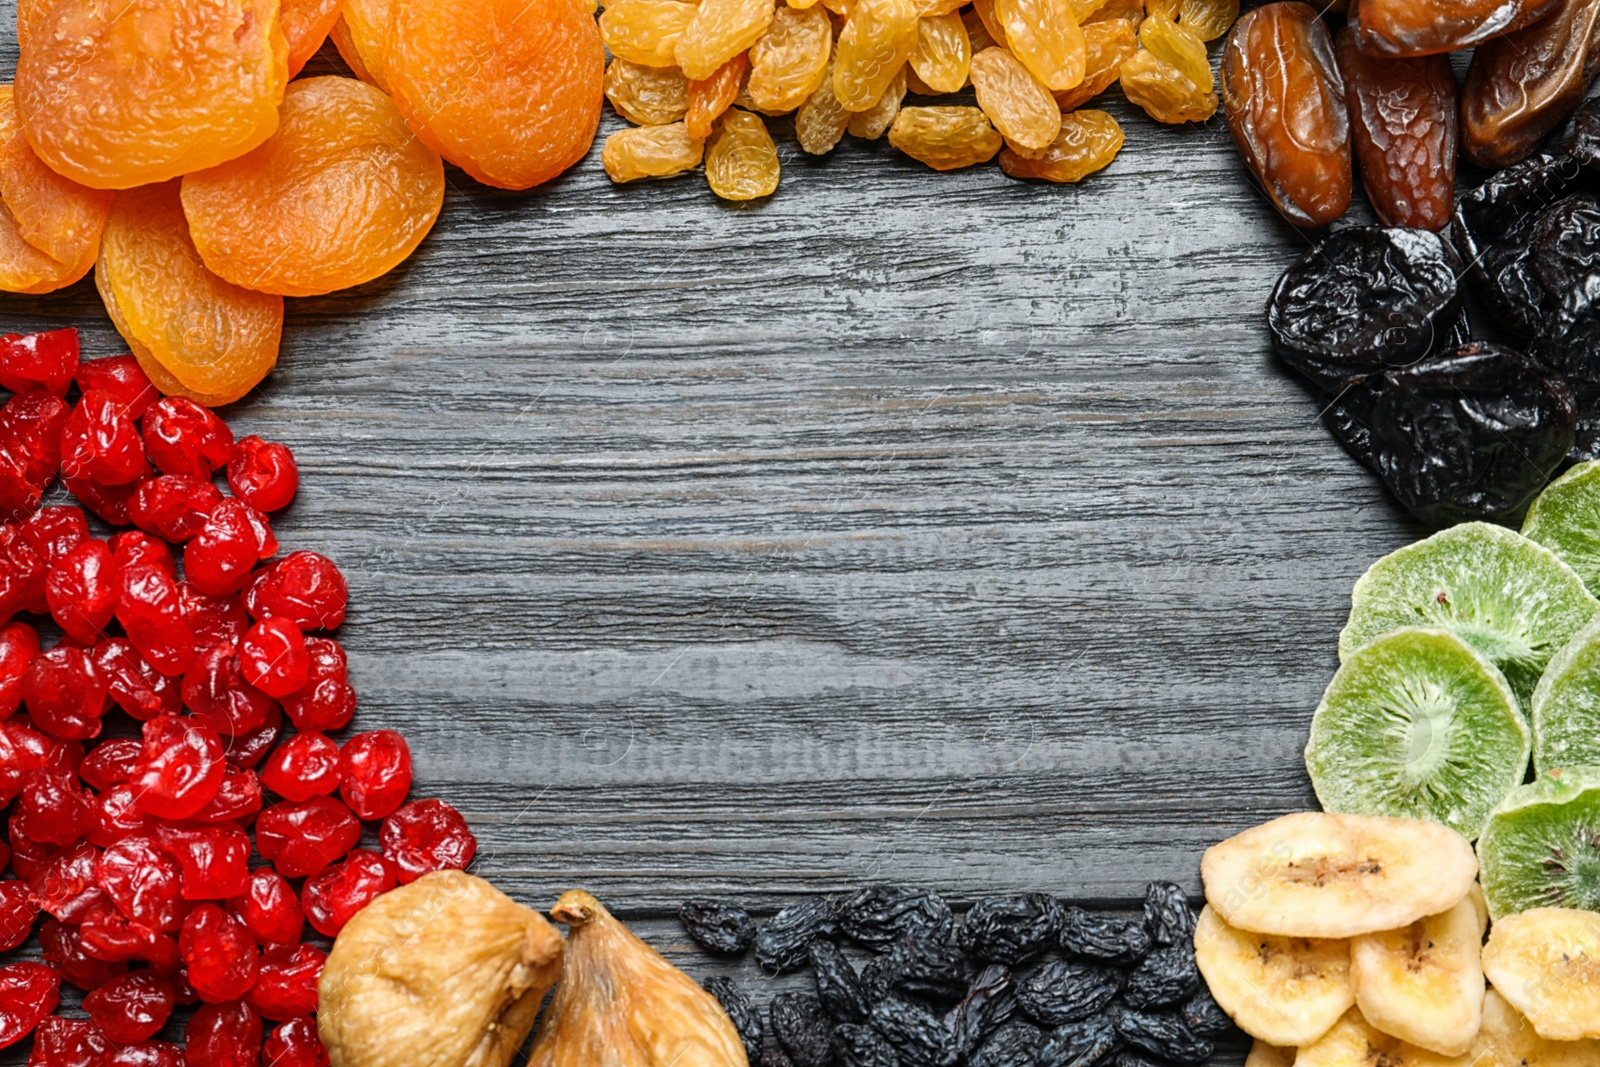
645	31
24	266
118	93
650	152
306	24
194	334
1088	141
359	34
1046	37
742	161
788	62
54	214
710	97
338	196
507	90
943	54
647	96
1018	104
945	138
1108	45
720	30
877	40
29	14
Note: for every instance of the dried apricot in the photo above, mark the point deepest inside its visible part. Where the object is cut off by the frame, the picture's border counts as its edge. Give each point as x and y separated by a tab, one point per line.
1108	44
720	30
54	214
788	62
1046	37
115	95
647	96
1018	104
742	161
306	24
1208	19
193	333
943	55
359	34
507	90
710	97
1088	141
338	196
29	14
877	40
820	122
650	152
645	31
872	123
945	138
1413	28
24	267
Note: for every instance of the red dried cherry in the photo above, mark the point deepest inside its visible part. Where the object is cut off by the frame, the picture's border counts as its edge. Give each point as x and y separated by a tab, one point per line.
249	749
19	643
136	687
82	590
144	883
220	958
122	377
184	438
23	750
268	909
116	815
223	1035
181	769
215	859
53	808
133	548
28	993
19	494
174	506
151	612
18	911
39	362
273	657
213	619
263	473
333	897
41	540
65	693
110	502
65	886
28	858
238	801
286	985
424	836
215	690
302	839
328	701
62	1042
303	587
63	950
22	571
130	1008
30	432
374	773
295	1044
111	763
305	766
100	443
147	1054
234	538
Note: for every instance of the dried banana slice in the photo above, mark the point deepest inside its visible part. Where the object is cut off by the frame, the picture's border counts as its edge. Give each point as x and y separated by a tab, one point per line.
1287	991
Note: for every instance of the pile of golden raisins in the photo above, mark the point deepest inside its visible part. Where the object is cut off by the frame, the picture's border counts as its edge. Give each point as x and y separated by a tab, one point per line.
696	79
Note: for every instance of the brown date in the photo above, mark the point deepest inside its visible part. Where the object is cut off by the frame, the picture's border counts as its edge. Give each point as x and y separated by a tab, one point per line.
1403	129
1424	27
1285	102
1521	86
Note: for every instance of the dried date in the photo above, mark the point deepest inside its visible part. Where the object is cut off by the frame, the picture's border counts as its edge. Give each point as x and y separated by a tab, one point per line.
1079	1044
883	914
1013	1045
1408	28
990	1002
919	1036
921	966
1103	937
784	941
1065	991
1168	918
1523	85
802	1029
1011	929
719	927
838	986
1168	975
855	1045
1162	1034
744	1015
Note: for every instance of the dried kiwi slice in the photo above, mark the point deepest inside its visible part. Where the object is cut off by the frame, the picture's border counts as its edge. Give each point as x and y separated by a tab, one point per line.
1419	725
1511	599
1566	706
1541	848
1566	520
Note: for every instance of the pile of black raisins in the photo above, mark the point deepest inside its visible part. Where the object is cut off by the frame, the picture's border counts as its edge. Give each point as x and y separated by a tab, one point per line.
1019	981
1457	428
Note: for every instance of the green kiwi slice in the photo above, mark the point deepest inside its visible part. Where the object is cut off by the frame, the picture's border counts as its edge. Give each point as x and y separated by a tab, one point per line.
1566	706
1420	725
1541	848
1566	520
1508	597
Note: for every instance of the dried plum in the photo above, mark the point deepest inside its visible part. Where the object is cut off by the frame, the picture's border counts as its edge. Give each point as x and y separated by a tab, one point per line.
855	1045
1204	1016
1585	143
1162	1034
880	915
744	1015
1473	433
1363	300
1103	937
921	966
918	1035
838	986
719	927
1013	1045
1348	417
1565	249
1569	342
1064	991
1079	1044
1011	929
1168	975
784	941
1167	914
802	1029
776	1057
990	1001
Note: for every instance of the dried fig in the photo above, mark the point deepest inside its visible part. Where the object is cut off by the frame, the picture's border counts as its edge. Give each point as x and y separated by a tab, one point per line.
445	972
621	1005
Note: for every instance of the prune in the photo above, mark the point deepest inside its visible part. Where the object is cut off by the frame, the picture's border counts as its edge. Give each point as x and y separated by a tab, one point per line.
921	1037
1166	976
1569	342
784	940
1523	85
1472	433
1103	937
775	1057
1584	145
838	986
742	1012
921	966
855	1045
1079	1044
1363	299
1407	28
1204	1016
1065	991
717	926
1565	246
1162	1034
1167	916
883	914
802	1029
1013	1045
1011	929
990	1002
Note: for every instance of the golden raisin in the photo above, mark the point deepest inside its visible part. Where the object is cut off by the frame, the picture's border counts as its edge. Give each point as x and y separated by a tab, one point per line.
118	95
935	8
877	40
1208	19
1174	44
650	152
1018	104
720	30
1163	91
1088	141
945	138
820	122
978	35
341	194
1108	44
1123	10
872	123
1084	10
710	97
987	15
943	54
1045	36
306	24
645	31
1167	9
742	161
647	96
788	62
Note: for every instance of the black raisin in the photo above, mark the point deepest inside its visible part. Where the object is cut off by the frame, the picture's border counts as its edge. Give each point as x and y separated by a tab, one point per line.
719	927
1103	937
1167	915
1132	1057
1013	1045
1162	1034
1205	1017
784	941
1080	1044
1166	976
855	1045
920	966
802	1029
838	986
918	1035
1064	991
776	1057
1011	929
883	914
1585	143
990	1002
741	1011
